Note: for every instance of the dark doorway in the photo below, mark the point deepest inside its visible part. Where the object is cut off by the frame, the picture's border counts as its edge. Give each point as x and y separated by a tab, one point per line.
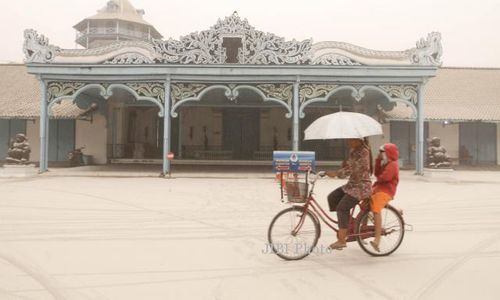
241	132
479	141
61	139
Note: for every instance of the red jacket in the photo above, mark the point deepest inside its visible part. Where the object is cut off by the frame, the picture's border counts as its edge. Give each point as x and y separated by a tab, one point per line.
388	174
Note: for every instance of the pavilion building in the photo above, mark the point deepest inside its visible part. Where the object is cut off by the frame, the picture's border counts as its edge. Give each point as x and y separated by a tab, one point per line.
234	94
117	21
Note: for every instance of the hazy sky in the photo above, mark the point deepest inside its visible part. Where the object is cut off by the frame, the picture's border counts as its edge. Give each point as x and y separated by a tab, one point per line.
470	29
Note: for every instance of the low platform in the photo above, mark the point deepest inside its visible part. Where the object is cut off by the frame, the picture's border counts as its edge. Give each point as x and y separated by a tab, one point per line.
18	171
221	162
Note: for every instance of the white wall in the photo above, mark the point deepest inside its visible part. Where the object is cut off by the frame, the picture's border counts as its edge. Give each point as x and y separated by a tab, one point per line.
33	135
93	137
449	135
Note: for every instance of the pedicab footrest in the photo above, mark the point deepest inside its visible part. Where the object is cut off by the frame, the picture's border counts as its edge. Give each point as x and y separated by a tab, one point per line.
295	191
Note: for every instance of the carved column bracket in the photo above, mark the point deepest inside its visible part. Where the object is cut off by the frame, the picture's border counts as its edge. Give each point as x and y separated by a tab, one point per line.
277	93
403	92
154	90
58	89
182	91
280	91
311	91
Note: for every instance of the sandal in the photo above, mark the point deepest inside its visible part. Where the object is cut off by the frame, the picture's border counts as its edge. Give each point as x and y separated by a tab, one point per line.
337	246
375	246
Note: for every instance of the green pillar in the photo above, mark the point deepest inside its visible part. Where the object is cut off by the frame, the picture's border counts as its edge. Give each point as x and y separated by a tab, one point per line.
166	128
44	127
419	128
296	128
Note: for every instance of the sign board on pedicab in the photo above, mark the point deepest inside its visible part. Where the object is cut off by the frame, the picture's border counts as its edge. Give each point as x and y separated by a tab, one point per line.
294	161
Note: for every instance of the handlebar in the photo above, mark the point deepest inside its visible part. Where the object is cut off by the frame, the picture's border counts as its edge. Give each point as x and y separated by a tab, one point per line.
320	174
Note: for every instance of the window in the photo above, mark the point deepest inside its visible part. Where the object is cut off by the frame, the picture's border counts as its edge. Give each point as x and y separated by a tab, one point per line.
232	45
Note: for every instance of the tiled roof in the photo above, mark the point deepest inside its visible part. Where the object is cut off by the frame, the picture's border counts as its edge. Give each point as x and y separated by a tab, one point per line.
460	94
20	96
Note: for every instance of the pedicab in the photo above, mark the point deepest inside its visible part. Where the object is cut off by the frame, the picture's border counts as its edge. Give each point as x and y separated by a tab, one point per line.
294	232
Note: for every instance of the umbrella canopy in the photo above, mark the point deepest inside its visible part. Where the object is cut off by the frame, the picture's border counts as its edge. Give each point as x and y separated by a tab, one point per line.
343	125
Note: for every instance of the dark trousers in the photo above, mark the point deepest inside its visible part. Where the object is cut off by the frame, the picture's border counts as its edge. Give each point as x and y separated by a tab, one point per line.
341	202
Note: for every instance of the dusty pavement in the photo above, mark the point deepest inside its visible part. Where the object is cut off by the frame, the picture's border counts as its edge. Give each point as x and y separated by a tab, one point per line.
64	237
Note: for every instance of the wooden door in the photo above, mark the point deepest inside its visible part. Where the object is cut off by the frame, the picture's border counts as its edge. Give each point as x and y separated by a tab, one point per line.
61	139
241	132
480	140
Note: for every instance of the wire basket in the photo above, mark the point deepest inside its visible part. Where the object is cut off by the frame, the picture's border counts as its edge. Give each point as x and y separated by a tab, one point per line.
296	191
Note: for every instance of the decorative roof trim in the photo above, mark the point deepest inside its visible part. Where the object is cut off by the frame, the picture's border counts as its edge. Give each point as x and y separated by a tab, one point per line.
206	47
257	48
37	49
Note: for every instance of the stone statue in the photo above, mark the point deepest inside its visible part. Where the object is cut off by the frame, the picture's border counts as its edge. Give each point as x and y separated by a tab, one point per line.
19	151
436	155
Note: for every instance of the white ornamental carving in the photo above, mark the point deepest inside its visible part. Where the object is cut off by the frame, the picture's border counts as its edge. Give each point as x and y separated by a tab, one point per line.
258	47
281	91
196	48
335	60
154	90
182	91
103	50
428	51
37	49
58	89
255	47
405	92
129	59
310	91
357	51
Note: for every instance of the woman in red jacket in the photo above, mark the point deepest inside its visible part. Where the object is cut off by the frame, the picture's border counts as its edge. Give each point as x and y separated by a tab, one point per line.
384	189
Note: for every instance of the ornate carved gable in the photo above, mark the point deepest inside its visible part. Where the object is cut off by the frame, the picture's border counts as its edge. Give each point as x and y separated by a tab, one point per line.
257	47
233	40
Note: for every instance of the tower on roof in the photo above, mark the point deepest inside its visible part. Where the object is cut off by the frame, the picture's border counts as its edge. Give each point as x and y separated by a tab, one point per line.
117	21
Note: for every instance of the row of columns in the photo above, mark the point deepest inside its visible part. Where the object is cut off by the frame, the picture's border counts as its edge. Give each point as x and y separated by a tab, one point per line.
166	167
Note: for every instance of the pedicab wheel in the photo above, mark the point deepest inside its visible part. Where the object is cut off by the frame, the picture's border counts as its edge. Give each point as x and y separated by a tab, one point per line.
393	231
282	240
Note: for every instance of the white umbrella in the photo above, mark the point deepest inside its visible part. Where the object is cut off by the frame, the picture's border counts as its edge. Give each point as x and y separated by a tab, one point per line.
343	125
